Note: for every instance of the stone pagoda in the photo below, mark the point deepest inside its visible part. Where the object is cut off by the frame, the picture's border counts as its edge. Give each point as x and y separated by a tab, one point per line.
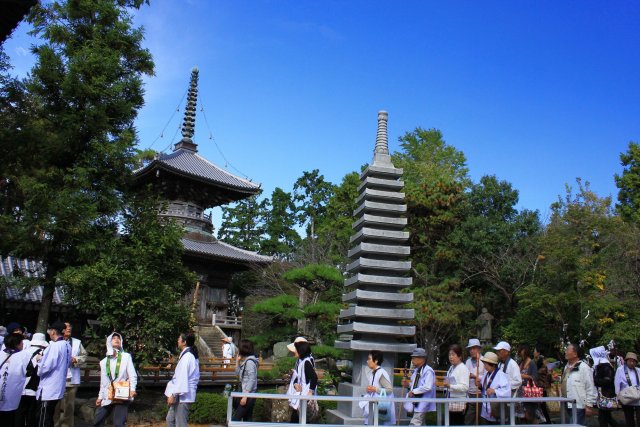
378	271
191	184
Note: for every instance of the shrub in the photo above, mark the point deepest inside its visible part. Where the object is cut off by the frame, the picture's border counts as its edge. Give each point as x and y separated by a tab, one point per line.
209	408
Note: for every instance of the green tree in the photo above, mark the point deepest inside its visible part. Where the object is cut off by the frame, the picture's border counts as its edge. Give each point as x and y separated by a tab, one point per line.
243	223
133	276
435	176
496	244
335	226
573	296
281	237
66	162
629	184
311	192
283	313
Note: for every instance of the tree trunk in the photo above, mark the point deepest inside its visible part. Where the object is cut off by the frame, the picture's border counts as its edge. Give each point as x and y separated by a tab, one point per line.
48	288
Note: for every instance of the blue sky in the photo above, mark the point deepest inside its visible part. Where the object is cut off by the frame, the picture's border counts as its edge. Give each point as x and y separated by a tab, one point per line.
535	92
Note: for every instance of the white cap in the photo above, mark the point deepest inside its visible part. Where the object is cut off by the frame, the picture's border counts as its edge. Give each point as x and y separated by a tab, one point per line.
474	342
291	347
502	345
39	340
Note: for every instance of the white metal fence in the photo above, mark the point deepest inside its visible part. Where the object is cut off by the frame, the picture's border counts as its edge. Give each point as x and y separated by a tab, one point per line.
507	408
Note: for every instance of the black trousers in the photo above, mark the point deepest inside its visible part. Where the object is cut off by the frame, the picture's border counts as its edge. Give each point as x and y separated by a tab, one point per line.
27	412
605	418
631	415
46	412
244	413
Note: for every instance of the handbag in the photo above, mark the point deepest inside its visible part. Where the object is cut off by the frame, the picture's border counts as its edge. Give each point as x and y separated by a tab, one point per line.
629	395
119	391
384	408
604	402
313	411
532	390
457	406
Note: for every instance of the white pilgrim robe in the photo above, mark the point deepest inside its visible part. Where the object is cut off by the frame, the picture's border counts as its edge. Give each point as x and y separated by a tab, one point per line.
185	378
56	359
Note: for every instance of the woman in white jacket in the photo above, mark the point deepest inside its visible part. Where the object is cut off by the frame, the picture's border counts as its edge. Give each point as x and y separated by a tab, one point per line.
457	384
115	367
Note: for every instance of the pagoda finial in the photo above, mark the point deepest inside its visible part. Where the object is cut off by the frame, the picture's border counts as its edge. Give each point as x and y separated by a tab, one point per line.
189	122
381	150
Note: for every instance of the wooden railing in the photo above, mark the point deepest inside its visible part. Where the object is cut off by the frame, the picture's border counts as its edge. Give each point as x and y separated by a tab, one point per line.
219	320
212	370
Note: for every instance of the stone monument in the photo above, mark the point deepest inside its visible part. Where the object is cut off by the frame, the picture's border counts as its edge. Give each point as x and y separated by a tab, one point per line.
378	271
484	326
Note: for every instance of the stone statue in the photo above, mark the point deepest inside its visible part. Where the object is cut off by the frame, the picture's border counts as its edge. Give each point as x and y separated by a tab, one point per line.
484	322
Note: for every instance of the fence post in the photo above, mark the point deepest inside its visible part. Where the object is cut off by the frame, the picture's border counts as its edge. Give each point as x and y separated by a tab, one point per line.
512	413
563	412
445	407
229	409
303	411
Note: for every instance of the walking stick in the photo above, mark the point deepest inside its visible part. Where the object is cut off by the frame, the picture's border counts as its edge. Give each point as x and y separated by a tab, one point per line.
477	373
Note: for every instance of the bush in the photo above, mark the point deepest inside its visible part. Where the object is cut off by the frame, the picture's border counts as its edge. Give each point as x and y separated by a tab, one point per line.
209	408
281	368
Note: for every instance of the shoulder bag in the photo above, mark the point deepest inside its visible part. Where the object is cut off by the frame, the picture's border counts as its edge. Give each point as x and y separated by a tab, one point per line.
631	394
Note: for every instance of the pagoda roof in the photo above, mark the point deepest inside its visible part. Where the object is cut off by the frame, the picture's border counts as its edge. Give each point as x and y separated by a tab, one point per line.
26	268
223	251
13	12
189	164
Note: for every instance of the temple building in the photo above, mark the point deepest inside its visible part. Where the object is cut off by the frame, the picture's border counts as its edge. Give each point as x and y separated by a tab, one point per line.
191	184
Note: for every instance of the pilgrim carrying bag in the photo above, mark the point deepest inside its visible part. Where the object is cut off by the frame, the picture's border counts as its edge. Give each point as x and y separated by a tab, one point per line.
118	391
629	395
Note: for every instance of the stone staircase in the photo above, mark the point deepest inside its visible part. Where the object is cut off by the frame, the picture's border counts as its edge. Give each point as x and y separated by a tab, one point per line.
212	337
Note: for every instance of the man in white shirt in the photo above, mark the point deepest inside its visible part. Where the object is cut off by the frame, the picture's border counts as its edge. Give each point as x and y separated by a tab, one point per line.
52	368
228	350
181	390
577	383
509	366
476	370
66	407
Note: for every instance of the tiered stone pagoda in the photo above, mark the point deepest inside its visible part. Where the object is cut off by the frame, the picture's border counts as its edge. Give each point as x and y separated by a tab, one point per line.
379	270
191	184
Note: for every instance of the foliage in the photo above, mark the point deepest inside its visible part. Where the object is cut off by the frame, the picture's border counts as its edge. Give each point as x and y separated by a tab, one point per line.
133	276
576	297
283	312
334	227
321	351
281	368
311	193
243	223
209	408
314	277
496	244
629	184
281	237
67	135
435	176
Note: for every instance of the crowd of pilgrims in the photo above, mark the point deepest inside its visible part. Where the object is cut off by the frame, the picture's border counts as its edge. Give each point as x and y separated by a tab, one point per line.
39	378
37	375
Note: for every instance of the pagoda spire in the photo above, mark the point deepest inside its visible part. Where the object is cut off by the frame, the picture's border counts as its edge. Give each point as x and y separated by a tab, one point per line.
381	150
189	121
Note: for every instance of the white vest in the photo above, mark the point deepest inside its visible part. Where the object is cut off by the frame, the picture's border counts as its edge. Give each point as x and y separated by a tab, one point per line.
74	373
